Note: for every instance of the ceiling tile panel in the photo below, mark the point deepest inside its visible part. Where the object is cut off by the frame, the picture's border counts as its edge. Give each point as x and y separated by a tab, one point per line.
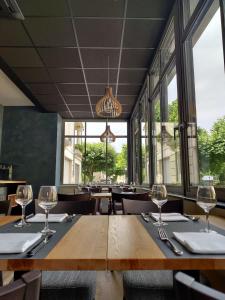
43	7
21	57
60	57
128	89
50	31
81	99
98	8
72	89
79	107
55	107
127	100
143	33
98	58
95	89
13	34
82	115
66	75
101	75
136	58
132	76
149	8
99	32
32	74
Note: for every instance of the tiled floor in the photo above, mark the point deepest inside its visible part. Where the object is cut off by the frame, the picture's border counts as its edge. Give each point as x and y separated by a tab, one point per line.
109	286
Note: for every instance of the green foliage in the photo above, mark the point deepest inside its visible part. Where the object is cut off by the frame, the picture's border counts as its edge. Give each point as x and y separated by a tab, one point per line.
173	111
121	161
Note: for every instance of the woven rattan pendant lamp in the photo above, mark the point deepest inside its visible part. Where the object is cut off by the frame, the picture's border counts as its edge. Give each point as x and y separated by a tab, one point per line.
108	106
107	135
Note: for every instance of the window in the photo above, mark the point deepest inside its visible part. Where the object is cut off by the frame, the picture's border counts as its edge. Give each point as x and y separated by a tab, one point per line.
168	46
88	160
188	8
209	123
154	73
136	148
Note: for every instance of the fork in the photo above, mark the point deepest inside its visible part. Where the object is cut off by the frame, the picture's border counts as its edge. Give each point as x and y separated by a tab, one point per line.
164	237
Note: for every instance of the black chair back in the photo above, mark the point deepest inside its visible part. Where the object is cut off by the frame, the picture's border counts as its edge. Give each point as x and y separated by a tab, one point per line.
187	288
83	207
76	197
136	207
95	189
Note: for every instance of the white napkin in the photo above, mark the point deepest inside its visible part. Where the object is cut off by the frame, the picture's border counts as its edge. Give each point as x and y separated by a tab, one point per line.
17	242
52	218
202	242
169	217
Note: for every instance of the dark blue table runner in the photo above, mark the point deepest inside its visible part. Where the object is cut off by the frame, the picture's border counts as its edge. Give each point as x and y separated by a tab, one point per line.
61	230
179	227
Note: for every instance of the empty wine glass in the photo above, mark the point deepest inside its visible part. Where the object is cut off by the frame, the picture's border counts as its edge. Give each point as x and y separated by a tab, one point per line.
47	199
206	199
159	197
24	195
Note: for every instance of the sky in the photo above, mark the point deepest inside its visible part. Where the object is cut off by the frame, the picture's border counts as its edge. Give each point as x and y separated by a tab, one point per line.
209	74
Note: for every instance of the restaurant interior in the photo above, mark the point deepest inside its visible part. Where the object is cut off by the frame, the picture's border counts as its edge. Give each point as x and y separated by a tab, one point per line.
112	149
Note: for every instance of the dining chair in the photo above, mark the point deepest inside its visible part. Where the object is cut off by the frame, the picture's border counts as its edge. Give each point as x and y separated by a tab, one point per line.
75	197
136	207
117	199
187	288
83	207
25	288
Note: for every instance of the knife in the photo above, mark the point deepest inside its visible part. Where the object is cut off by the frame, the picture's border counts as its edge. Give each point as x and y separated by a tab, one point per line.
39	246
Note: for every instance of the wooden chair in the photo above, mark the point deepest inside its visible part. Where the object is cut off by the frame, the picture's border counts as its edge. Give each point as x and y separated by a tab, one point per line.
117	199
187	288
83	207
135	207
25	288
76	197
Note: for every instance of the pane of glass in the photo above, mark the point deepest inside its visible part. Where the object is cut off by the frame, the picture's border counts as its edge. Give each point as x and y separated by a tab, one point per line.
210	94
117	172
73	160
74	128
156	139
170	136
145	139
136	149
95	128
168	46
154	73
118	128
94	165
188	8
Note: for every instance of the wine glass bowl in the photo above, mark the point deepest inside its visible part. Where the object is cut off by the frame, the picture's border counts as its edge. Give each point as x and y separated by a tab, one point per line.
47	199
206	199
159	197
24	195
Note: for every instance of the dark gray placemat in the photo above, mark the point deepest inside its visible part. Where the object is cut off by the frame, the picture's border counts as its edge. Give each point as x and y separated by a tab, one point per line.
179	227
61	230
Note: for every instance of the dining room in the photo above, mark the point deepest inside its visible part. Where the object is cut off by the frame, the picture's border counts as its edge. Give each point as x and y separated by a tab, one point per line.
112	152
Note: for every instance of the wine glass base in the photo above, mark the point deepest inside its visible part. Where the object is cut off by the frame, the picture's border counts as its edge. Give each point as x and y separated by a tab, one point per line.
158	224
48	231
22	225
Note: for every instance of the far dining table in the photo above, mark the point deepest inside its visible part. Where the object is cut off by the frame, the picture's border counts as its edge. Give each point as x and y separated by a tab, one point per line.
99	196
113	243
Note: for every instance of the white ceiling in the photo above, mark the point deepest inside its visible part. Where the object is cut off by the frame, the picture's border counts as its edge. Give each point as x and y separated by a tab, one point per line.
10	94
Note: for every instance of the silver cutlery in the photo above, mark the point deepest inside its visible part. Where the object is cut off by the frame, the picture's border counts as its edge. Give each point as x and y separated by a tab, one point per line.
70	218
39	246
145	217
164	237
192	218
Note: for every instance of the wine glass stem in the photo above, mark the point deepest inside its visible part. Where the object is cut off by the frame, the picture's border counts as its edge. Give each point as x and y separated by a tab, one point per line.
46	219
160	215
207	221
23	215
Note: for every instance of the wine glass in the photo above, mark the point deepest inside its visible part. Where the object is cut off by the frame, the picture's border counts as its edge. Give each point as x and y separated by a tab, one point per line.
206	199
47	199
159	197
24	195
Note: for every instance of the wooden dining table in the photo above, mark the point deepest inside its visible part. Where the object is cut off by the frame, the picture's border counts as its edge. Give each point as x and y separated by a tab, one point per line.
110	243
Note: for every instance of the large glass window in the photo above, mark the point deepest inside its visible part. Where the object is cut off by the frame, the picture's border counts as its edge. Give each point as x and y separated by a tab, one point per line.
209	81
88	160
136	148
188	8
168	46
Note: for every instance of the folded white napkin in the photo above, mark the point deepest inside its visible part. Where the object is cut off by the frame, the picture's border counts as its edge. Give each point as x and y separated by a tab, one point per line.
169	217
202	242
52	218
17	242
